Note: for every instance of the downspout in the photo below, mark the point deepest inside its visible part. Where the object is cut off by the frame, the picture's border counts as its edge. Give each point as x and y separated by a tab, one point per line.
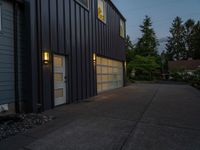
15	26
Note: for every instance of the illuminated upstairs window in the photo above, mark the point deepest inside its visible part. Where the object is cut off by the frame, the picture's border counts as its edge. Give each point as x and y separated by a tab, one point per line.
102	10
122	28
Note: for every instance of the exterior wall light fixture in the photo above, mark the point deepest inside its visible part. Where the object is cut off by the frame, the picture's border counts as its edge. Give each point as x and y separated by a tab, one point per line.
94	58
46	57
125	66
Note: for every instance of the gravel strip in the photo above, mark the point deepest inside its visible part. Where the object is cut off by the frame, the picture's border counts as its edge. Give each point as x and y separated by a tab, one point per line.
14	124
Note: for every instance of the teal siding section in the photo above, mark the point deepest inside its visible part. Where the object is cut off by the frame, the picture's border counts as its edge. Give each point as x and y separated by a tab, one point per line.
7	74
6	54
22	56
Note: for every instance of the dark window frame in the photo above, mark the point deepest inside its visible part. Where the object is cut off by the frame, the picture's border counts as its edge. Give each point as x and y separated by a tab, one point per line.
83	5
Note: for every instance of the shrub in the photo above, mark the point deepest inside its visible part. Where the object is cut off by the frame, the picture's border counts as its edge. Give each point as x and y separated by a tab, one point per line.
146	68
191	77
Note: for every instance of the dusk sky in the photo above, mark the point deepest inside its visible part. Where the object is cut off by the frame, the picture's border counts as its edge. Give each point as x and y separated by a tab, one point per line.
162	13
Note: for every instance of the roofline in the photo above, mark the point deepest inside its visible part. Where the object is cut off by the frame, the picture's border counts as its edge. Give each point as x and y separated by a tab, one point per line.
116	9
110	2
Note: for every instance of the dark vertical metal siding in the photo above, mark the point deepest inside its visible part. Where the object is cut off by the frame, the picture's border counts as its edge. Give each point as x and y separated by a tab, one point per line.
45	34
53	24
65	27
61	27
73	51
67	42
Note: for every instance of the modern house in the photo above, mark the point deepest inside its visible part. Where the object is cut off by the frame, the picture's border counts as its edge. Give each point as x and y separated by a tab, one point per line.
55	52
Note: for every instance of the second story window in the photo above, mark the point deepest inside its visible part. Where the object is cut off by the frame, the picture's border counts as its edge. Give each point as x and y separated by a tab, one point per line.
84	3
122	28
102	10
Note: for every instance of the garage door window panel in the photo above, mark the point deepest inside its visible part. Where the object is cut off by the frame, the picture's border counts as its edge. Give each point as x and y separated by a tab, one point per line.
109	74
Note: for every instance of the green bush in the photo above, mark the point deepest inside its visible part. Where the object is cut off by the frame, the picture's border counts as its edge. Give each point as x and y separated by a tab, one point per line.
192	78
146	68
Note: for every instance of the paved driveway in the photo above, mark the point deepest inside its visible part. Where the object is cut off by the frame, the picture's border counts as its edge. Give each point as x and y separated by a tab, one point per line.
137	117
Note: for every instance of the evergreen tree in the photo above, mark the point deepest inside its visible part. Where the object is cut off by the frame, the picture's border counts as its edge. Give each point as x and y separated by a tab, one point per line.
128	43
164	62
189	31
147	44
176	49
196	41
130	51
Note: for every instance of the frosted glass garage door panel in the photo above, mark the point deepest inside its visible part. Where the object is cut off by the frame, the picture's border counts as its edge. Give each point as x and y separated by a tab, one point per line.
104	69
109	74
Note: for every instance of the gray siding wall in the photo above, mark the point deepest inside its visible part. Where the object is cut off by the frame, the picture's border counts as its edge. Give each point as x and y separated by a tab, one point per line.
7	75
6	54
22	55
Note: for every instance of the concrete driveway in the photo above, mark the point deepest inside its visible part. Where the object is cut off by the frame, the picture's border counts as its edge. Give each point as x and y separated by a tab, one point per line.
137	117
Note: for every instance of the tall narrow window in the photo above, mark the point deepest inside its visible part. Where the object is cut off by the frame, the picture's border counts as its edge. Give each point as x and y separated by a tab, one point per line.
122	28
102	10
84	3
0	18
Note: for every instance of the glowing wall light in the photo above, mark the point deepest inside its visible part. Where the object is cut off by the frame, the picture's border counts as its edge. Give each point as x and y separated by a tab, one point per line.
46	57
94	58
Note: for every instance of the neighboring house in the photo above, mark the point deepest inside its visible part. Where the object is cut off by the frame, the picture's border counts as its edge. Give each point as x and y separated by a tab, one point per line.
186	65
55	52
13	56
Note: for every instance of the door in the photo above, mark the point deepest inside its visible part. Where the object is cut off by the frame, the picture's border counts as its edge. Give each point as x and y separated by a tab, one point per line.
59	80
109	74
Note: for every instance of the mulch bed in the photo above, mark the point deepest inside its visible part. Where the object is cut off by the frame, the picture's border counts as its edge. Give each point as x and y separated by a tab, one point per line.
18	123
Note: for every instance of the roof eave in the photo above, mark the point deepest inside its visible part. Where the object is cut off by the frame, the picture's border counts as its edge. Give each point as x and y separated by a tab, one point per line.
116	9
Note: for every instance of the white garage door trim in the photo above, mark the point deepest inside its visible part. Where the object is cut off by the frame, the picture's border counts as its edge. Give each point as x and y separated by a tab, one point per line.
109	74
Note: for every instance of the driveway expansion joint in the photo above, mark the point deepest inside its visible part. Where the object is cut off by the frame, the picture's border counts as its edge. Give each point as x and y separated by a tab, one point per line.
131	133
169	126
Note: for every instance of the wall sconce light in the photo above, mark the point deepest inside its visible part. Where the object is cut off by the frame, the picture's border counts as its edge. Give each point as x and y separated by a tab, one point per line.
125	67
45	57
94	57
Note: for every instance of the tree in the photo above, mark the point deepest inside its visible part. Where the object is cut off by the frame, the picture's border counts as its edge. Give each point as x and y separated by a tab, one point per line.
147	44
196	41
128	43
164	62
130	49
175	46
145	67
189	31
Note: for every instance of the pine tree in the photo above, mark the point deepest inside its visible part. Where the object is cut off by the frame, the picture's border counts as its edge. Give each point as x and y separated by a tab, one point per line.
130	49
189	31
128	43
176	49
196	41
147	44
